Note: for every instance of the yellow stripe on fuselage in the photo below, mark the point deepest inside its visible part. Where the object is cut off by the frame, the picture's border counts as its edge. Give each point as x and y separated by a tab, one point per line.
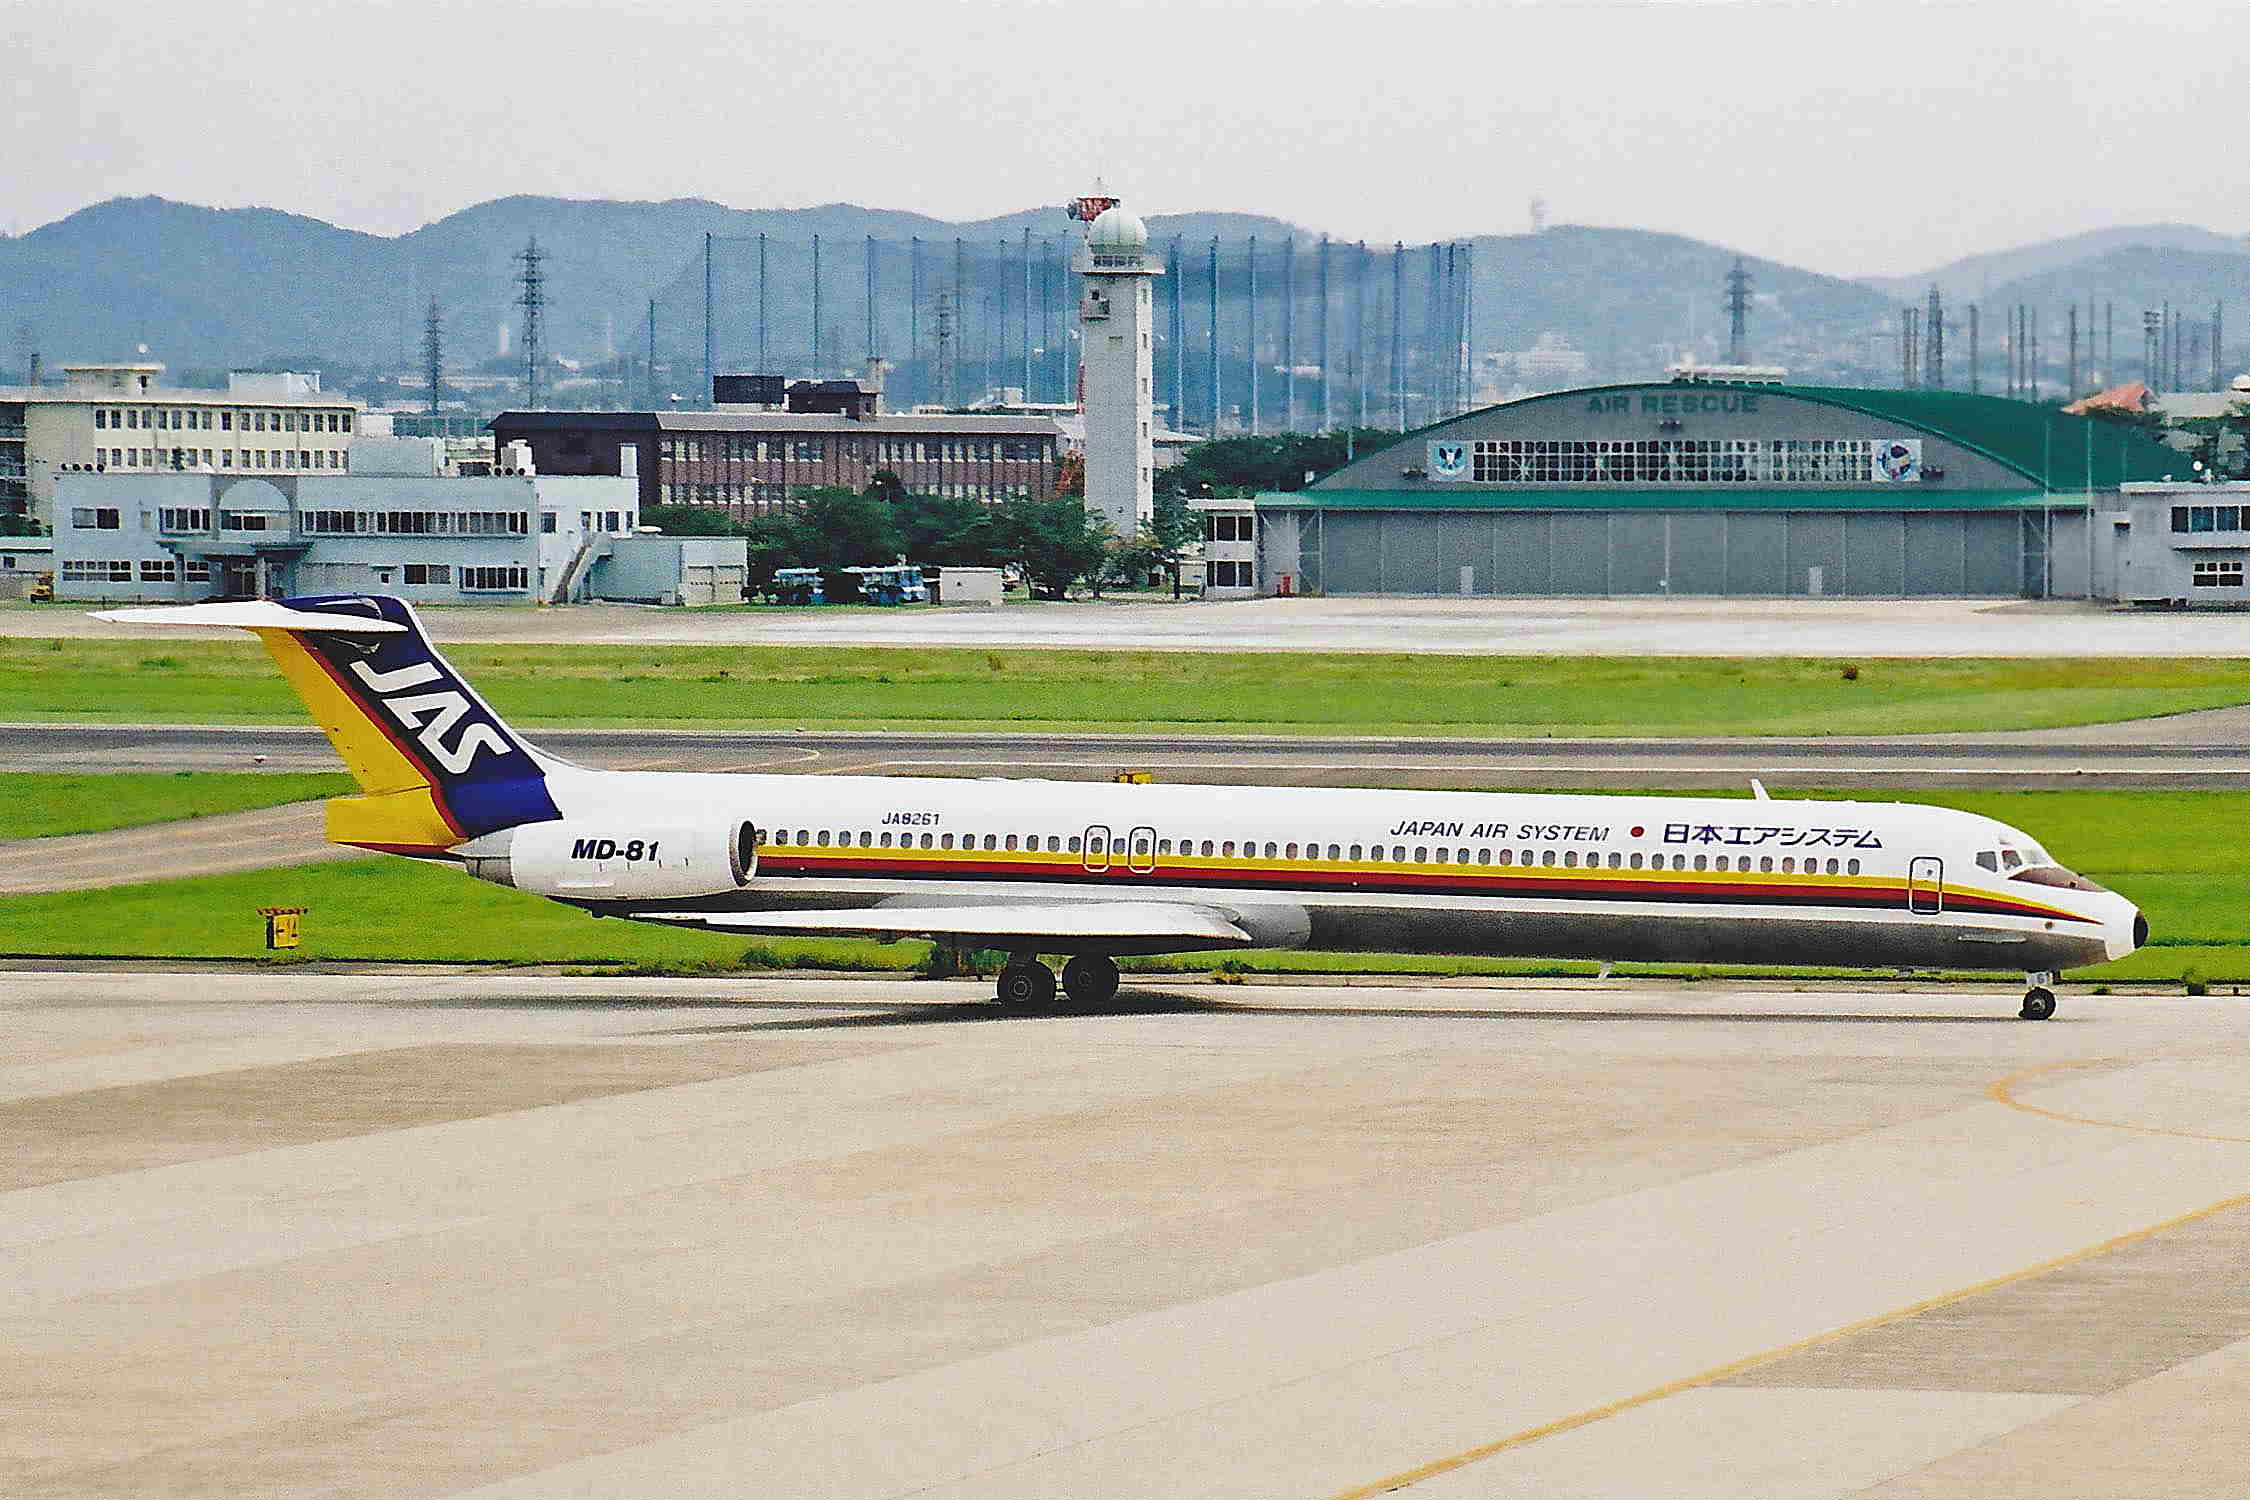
400	810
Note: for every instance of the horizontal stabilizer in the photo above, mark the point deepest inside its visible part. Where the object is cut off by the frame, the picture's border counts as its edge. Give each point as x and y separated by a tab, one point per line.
250	614
1150	926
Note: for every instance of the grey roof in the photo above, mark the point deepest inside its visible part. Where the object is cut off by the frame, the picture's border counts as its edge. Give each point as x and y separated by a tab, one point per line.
747	420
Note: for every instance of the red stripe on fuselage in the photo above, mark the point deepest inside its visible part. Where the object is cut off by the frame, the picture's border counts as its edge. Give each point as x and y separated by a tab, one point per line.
1619	886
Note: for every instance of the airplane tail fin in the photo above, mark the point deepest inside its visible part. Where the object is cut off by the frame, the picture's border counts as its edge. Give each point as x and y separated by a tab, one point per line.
436	766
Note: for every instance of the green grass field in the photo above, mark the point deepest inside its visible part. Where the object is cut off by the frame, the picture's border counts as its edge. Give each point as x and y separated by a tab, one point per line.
35	804
1328	693
2156	847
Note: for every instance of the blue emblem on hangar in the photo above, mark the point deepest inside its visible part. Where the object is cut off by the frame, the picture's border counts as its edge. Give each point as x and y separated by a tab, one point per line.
1449	460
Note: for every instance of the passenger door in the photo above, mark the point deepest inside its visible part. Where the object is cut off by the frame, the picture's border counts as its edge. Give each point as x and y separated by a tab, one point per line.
1095	855
1140	851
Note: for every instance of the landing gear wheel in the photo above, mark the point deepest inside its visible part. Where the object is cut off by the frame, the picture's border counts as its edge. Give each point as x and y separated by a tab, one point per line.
1026	984
1090	979
2038	1004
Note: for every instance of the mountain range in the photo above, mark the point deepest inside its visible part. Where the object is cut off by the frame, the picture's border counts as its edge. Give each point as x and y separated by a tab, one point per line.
205	287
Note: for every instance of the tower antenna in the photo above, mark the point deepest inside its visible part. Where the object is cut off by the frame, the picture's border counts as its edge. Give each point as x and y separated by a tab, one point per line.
533	299
433	352
1738	313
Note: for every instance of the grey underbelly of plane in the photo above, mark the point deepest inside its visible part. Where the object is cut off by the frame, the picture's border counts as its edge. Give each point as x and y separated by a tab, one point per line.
1668	937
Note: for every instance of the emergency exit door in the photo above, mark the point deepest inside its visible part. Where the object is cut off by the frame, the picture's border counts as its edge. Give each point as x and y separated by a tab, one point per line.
1925	885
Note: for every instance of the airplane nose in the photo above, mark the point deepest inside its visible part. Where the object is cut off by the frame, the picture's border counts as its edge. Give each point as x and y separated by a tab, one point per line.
2140	930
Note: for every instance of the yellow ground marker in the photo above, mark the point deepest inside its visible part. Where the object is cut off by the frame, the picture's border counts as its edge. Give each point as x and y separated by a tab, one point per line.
2000	1091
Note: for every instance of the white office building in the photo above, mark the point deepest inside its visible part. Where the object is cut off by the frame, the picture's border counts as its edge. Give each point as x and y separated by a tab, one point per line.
394	522
122	418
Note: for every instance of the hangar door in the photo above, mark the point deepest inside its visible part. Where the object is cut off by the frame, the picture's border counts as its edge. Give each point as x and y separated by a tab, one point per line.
1737	554
720	584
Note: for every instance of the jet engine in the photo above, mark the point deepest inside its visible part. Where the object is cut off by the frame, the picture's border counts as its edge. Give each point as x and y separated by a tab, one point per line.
625	859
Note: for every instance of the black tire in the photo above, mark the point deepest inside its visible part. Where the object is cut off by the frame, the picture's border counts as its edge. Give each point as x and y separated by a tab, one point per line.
1026	986
1090	979
2038	1004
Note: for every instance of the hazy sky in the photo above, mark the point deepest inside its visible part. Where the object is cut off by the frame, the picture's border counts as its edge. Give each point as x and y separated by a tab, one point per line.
1883	136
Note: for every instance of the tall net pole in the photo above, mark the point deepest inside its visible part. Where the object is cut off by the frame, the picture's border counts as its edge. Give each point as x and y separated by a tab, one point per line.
533	300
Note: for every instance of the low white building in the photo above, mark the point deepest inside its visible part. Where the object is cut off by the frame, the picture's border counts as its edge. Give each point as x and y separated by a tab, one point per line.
395	522
2180	545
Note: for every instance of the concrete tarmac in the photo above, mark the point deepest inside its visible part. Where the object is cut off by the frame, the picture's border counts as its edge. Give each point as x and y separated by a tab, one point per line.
2207	750
1535	627
422	1235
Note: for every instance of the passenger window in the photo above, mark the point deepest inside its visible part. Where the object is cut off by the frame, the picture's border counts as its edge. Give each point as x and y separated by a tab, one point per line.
1852	868
1788	865
991	841
1226	850
946	842
1290	852
1357	852
1010	842
886	843
1460	856
1421	854
1699	862
866	839
1074	844
1547	858
1720	863
1832	867
1273	851
1207	848
1765	864
1616	861
1054	843
1507	857
1636	861
1164	846
1441	859
1374	853
1335	852
929	841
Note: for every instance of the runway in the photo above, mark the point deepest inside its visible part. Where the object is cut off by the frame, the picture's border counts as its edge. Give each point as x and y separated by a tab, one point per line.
508	1236
2208	750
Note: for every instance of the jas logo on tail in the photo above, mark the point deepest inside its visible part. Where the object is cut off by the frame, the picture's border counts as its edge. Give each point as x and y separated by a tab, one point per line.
432	717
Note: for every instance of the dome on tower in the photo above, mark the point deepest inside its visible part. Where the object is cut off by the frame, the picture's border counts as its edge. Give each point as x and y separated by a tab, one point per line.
1117	232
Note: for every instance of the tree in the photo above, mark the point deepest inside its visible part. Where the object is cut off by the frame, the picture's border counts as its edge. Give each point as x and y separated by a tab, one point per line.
691	520
845	528
1246	465
1053	540
1173	528
946	530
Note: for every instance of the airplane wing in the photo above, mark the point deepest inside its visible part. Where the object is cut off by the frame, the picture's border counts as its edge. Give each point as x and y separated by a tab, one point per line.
1104	926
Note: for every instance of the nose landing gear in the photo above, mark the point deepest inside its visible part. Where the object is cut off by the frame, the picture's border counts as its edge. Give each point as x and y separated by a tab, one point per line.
2038	1000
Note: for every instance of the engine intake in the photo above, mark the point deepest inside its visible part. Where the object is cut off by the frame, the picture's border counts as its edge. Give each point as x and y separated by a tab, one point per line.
625	860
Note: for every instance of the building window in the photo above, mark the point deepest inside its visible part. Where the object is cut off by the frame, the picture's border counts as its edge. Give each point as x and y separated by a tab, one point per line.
243	520
1230	575
94	518
184	518
431	572
495	580
164	571
2219	573
809	450
197	572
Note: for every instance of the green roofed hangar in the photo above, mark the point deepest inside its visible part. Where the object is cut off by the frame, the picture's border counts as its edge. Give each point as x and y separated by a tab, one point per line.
1716	487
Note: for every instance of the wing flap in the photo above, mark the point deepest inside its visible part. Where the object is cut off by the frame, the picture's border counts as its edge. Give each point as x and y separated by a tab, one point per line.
1131	924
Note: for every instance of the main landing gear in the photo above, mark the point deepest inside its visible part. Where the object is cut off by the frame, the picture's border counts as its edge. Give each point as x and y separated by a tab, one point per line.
1026	983
2038	1000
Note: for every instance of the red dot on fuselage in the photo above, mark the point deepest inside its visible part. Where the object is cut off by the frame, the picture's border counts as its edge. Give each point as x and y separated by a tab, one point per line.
1638	831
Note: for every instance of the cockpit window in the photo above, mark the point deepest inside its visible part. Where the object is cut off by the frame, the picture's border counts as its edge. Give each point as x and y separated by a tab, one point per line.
2010	859
1987	860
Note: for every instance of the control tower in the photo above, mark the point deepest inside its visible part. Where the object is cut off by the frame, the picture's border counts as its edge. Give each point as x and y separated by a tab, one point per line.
1117	362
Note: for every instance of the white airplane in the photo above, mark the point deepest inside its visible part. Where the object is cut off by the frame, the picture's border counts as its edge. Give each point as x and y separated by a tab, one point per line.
1096	870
